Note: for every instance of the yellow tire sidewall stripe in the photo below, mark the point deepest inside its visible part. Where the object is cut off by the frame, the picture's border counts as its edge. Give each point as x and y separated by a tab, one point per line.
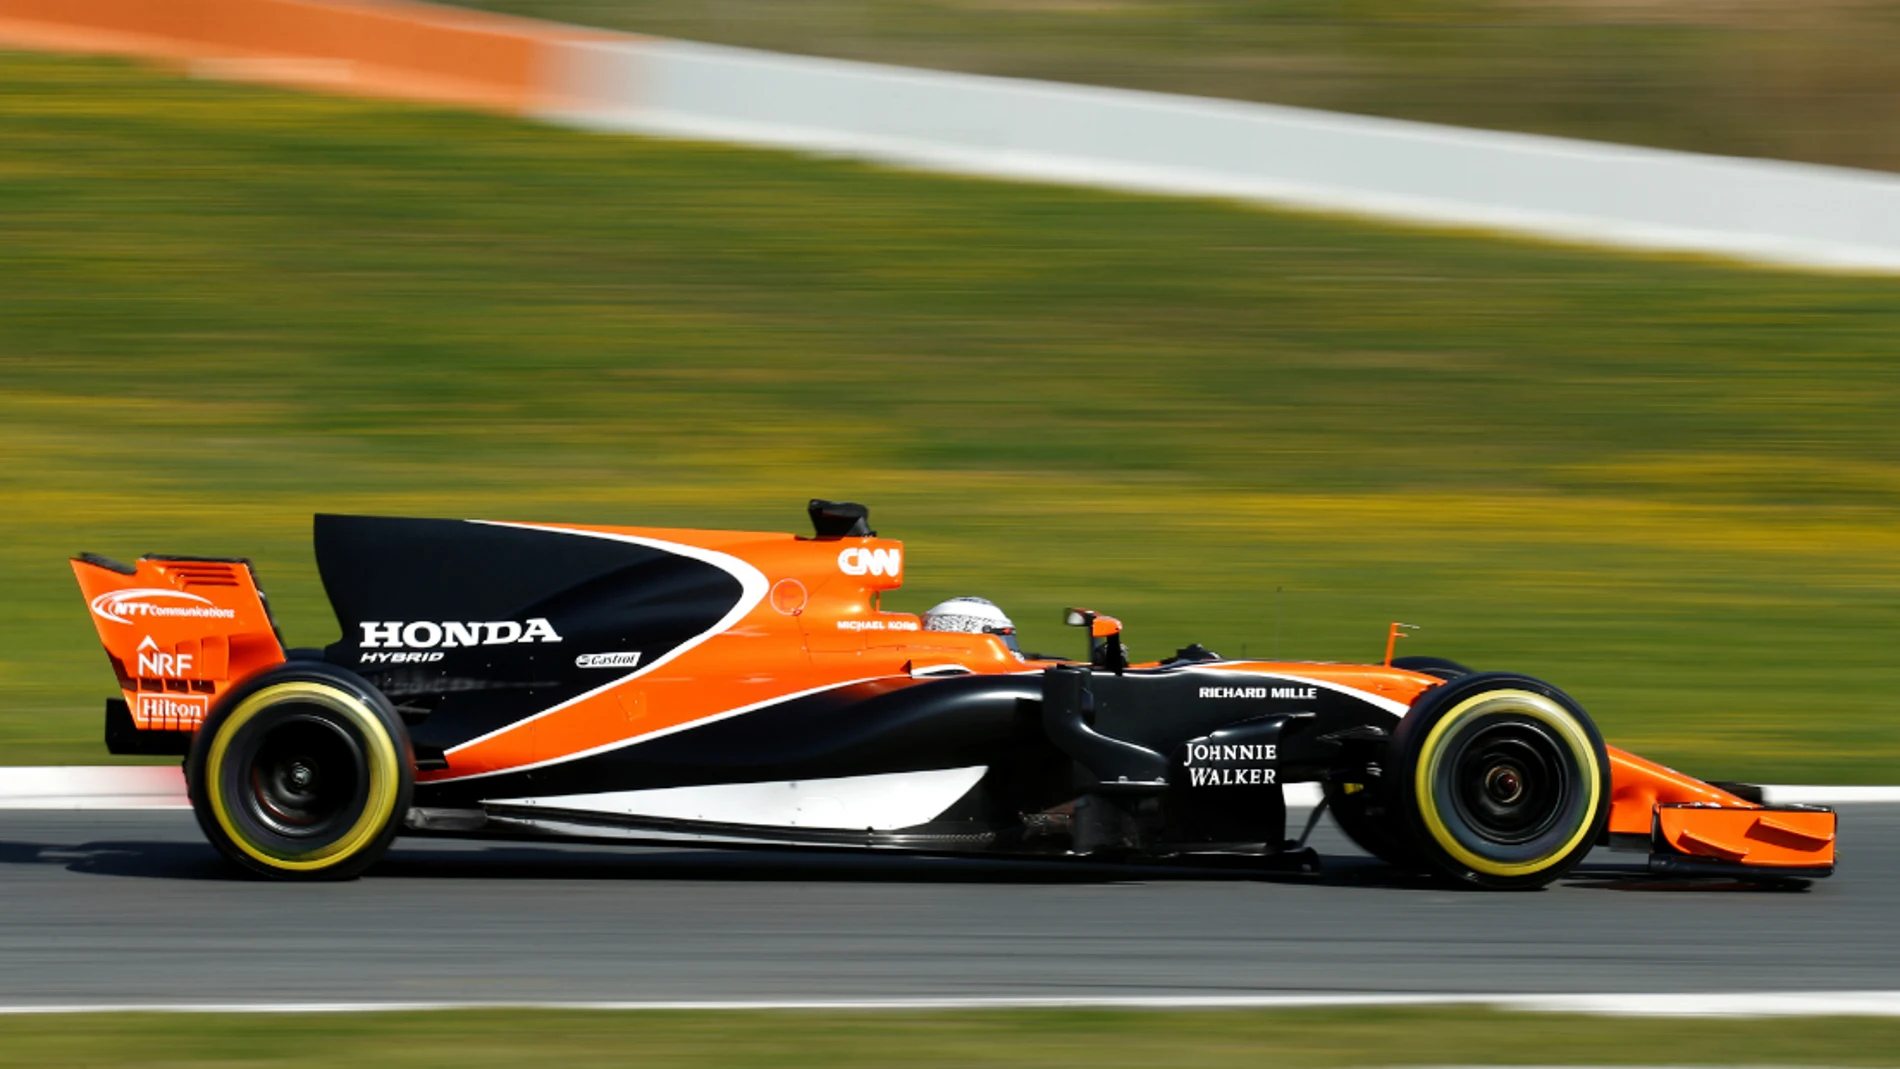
1522	703
385	776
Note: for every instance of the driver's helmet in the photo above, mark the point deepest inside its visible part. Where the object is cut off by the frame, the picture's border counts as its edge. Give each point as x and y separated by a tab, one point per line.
978	616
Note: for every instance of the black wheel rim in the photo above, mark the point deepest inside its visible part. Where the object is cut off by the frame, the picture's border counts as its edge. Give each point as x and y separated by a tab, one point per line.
1510	788
300	778
1510	779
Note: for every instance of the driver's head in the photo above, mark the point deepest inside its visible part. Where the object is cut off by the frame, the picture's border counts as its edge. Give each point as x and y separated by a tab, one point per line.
977	616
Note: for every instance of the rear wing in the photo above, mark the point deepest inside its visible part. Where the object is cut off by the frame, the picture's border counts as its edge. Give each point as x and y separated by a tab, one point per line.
179	632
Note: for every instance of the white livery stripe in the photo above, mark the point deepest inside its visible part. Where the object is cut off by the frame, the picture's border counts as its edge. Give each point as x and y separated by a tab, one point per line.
663	732
1302	795
751	581
882	802
1396	708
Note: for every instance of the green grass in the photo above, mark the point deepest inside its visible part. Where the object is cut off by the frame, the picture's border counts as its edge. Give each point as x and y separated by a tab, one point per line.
1208	1039
1670	487
1813	81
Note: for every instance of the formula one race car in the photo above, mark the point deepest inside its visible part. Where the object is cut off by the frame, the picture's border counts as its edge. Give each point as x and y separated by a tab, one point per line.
726	688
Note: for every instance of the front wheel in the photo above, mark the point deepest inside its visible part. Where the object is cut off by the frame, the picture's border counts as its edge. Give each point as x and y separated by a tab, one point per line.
303	772
1503	781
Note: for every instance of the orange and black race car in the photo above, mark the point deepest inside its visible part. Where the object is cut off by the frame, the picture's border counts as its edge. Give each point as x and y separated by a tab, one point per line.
722	688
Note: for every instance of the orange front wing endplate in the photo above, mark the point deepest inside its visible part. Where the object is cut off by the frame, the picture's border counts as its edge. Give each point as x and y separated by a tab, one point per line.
1695	828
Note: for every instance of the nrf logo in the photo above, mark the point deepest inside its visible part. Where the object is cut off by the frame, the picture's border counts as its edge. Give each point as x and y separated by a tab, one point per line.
857	561
155	663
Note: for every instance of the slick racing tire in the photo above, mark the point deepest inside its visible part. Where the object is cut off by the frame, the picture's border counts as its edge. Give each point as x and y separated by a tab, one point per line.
1502	781
303	772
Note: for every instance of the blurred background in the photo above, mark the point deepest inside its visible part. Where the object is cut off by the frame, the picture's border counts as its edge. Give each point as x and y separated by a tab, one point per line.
1668	485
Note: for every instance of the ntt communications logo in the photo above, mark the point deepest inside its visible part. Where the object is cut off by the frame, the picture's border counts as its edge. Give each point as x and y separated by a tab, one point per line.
132	606
855	561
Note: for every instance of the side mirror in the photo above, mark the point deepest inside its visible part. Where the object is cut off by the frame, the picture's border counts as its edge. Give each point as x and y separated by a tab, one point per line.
1099	626
1105	637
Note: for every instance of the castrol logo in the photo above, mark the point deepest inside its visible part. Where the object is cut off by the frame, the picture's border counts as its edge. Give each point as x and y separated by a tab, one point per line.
856	561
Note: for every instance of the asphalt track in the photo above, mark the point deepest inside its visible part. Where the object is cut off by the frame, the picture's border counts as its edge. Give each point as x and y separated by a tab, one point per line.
119	907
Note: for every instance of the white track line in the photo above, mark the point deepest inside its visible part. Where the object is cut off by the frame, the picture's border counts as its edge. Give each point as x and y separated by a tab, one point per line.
1725	1004
163	787
93	787
1822	795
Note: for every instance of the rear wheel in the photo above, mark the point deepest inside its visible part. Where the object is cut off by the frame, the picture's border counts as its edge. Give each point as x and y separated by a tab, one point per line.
1503	781
302	773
